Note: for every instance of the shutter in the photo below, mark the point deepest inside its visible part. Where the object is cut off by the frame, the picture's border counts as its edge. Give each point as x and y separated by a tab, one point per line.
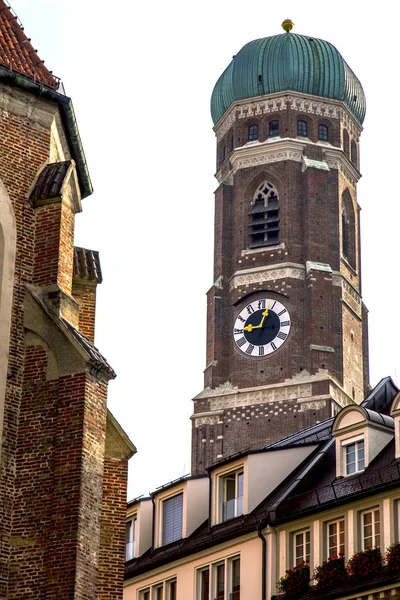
172	519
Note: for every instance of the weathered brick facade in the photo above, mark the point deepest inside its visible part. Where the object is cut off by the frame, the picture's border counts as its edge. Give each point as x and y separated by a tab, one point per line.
58	485
250	401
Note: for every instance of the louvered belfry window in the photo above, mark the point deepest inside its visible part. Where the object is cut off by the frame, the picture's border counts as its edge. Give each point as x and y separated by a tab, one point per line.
172	519
264	217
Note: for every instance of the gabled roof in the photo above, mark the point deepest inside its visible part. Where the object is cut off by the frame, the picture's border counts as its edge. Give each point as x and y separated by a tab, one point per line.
16	51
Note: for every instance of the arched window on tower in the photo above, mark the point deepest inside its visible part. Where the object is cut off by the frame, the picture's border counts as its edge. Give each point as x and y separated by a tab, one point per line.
264	217
273	129
354	153
348	230
323	133
346	143
302	128
253	133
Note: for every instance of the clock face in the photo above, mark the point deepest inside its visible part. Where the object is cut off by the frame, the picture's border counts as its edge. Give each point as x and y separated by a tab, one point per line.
261	327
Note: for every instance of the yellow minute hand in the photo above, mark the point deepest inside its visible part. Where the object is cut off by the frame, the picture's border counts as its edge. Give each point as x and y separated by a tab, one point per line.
250	327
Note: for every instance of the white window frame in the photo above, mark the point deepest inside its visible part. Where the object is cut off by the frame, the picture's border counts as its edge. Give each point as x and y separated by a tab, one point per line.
212	568
375	524
130	546
305	534
152	590
359	456
237	501
162	506
338	522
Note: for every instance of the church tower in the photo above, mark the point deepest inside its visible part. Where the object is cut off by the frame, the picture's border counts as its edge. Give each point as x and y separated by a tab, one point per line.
286	325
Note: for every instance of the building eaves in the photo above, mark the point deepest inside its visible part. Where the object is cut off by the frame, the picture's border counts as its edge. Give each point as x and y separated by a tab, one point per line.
21	66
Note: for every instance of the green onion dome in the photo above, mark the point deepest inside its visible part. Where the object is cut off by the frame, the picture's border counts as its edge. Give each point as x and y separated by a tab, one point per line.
288	62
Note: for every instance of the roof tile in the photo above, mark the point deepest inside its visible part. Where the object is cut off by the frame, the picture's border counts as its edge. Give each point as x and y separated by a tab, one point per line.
16	51
50	181
87	265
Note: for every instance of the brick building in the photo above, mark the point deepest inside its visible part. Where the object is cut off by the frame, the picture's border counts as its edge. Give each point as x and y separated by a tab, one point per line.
294	458
288	115
63	456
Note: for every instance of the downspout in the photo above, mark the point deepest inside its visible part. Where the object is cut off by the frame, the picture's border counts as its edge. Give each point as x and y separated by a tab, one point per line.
153	524
209	502
263	564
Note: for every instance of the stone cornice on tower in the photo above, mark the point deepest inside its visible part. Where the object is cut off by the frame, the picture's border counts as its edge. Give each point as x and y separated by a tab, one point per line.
274	103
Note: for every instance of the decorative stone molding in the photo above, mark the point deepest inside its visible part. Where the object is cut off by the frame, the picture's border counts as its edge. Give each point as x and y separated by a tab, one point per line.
317	266
264	274
336	159
198	422
273	103
308	163
312	405
340	396
266	153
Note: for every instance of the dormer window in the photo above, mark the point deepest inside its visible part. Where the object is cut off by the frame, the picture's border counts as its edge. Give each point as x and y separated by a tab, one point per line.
130	538
302	128
253	133
357	442
231	487
355	457
172	519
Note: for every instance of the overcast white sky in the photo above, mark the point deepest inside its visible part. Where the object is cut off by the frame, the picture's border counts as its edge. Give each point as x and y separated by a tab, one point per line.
140	76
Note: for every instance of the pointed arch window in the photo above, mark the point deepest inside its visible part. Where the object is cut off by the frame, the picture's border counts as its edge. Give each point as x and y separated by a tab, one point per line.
346	143
354	153
302	128
264	217
253	133
348	230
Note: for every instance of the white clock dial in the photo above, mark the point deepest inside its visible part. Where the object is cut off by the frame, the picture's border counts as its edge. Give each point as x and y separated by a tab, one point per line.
261	327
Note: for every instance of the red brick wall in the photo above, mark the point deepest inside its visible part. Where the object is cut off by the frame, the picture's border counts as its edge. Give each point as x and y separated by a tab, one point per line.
113	518
23	149
85	295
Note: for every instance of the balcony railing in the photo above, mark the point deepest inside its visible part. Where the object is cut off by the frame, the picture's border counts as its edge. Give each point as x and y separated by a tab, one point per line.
232	508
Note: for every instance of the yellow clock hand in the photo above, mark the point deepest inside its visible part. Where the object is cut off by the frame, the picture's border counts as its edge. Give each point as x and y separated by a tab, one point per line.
250	327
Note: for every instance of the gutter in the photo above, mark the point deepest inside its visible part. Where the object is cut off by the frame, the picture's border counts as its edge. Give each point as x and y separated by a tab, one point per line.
263	564
68	114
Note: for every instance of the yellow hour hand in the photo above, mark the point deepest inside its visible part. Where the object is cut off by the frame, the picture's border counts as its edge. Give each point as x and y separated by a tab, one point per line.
250	327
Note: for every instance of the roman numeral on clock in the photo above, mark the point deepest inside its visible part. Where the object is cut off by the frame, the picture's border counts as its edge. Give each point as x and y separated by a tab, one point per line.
249	309
241	319
282	335
236	331
241	342
249	349
273	346
285	323
261	304
282	311
261	351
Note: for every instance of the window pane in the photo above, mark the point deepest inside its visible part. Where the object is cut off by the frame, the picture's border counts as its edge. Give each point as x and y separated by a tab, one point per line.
205	584
221	582
159	593
253	133
323	133
302	128
172	590
236	579
172	519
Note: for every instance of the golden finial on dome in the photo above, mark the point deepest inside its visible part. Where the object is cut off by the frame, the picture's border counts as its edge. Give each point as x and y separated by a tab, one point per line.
287	25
